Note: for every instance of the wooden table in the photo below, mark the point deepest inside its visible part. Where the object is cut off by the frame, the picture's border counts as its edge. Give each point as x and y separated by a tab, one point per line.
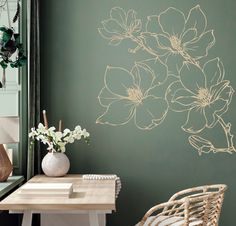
95	197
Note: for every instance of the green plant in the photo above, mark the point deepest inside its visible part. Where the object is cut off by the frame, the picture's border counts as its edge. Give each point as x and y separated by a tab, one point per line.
9	44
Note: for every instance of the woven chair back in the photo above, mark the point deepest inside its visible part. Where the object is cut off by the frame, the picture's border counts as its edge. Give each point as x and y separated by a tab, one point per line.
199	206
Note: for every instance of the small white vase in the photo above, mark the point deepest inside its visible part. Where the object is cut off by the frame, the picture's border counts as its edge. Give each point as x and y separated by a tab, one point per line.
55	164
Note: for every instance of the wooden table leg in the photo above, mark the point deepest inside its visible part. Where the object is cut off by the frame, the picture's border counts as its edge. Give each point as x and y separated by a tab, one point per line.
103	219
93	218
27	218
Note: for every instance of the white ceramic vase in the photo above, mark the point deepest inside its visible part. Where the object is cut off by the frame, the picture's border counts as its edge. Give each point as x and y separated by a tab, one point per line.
55	164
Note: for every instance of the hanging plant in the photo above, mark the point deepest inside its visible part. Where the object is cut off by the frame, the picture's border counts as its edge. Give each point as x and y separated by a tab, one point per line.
10	44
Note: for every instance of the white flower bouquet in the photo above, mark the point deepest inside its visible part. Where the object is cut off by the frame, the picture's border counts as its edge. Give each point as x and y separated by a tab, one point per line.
57	140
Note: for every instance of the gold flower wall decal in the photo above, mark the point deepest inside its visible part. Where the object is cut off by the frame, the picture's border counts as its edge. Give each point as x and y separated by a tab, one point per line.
178	38
203	93
175	77
120	25
126	96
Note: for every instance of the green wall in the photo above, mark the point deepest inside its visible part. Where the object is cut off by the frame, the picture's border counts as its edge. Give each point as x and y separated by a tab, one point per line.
152	164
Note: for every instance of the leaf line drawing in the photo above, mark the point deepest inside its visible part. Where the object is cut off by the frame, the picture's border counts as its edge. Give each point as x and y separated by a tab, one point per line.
172	78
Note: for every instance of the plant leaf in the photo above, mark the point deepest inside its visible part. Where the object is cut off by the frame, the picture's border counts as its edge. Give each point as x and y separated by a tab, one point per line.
3	64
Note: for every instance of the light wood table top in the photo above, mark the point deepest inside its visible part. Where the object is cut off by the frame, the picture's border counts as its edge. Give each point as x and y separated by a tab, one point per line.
87	195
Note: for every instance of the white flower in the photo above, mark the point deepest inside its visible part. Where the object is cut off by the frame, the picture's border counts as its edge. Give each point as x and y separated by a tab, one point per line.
66	132
63	149
62	146
85	133
51	129
41	137
78	128
57	140
41	128
44	140
71	139
58	135
33	133
50	146
77	136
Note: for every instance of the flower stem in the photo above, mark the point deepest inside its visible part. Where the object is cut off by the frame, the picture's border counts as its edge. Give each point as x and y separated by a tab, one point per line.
188	58
205	146
229	136
141	45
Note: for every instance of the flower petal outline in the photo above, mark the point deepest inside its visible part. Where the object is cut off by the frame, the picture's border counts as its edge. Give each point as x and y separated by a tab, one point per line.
143	76
192	77
151	109
214	71
112	26
196	121
170	97
118	80
211	112
105	97
200	47
118	14
174	18
152	26
114	116
197	19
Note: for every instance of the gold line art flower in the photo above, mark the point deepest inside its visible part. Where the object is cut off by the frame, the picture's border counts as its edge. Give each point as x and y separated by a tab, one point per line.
177	38
120	25
203	93
175	76
205	146
126	96
201	144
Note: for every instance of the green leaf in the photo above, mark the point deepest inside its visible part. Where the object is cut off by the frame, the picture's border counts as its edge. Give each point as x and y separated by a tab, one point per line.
20	47
13	65
6	37
3	64
17	39
23	59
3	29
10	42
10	31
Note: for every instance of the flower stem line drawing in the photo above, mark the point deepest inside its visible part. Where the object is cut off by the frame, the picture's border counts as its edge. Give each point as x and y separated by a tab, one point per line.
176	77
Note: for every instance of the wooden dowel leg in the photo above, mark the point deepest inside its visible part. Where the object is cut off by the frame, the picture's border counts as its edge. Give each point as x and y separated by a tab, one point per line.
27	218
93	218
102	219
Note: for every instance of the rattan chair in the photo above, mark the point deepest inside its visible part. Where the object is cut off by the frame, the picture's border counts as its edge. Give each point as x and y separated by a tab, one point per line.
199	206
